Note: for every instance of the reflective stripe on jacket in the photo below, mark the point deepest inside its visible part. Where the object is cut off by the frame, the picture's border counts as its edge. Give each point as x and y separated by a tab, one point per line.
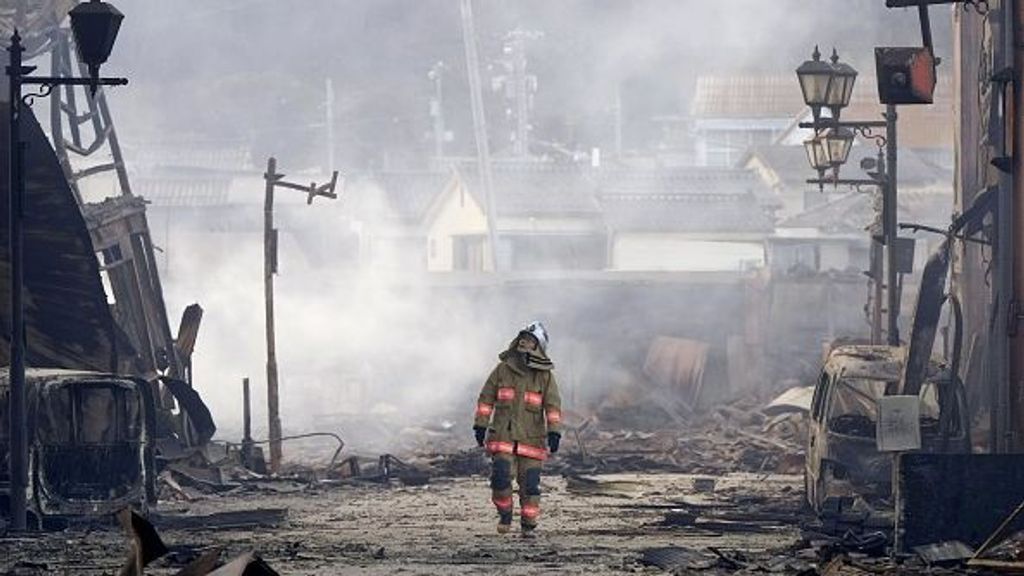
519	406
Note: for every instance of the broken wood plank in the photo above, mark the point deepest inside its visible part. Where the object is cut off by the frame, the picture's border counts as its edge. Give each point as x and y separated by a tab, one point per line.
260	517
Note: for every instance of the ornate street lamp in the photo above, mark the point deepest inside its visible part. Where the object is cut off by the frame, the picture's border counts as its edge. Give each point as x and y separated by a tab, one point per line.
815	78
95	25
841	86
830	148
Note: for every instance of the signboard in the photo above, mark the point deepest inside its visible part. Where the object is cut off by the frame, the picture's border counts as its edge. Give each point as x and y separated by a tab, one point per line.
899	424
905	75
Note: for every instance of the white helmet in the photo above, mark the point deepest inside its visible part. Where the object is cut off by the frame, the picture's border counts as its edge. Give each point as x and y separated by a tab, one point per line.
537	330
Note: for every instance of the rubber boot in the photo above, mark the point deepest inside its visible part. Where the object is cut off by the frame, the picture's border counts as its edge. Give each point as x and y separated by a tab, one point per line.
504	522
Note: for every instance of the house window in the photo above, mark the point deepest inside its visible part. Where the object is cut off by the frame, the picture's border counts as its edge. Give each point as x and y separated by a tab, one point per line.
433	248
468	253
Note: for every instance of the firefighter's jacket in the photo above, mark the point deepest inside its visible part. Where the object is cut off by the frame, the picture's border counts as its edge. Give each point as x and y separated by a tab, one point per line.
520	404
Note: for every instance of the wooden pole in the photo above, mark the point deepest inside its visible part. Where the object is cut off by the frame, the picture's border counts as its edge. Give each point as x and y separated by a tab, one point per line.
269	268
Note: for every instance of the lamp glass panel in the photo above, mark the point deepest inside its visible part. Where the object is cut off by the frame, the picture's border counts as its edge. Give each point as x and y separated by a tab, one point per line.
841	89
817	153
815	78
838	144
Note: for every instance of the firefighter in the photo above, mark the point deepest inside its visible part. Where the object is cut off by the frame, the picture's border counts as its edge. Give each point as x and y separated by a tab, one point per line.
518	410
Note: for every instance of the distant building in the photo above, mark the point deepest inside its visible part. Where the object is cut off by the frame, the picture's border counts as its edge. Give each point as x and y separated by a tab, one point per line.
731	114
387	211
546	216
686	219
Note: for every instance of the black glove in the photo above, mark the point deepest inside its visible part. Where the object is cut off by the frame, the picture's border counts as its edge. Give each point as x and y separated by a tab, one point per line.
553	439
480	432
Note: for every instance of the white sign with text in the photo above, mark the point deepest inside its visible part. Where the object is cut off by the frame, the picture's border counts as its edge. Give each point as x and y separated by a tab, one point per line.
899	424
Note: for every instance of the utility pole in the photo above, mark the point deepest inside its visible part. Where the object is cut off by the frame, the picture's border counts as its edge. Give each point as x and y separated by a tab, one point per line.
437	107
618	119
520	86
878	249
517	45
483	150
273	179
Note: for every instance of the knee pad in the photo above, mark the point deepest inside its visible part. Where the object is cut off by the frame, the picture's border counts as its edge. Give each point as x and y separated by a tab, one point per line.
501	474
532	487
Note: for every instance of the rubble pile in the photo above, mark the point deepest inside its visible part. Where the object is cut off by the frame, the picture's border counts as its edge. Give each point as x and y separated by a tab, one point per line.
735	437
732	437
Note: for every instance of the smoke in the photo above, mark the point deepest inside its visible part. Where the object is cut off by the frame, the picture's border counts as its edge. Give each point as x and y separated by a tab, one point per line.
219	69
351	340
378	344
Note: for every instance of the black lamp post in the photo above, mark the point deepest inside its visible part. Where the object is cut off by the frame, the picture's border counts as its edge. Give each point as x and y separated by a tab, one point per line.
830	86
94	25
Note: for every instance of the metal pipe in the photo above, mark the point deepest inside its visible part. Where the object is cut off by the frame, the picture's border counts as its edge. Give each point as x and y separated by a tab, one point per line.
18	428
830	123
246	411
269	246
246	424
926	26
876	301
843	181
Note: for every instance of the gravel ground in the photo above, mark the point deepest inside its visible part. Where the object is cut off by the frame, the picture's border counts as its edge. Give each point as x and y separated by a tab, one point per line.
445	527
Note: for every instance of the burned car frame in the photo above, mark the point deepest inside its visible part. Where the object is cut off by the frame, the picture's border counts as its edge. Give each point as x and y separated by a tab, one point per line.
90	442
842	456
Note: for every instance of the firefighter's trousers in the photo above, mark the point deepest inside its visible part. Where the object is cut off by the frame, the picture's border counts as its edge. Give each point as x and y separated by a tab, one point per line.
526	471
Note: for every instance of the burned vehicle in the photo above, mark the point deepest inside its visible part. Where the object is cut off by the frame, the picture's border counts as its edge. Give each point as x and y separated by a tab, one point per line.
90	447
842	457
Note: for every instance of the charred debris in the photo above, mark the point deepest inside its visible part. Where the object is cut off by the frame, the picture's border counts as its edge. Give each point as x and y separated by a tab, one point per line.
906	467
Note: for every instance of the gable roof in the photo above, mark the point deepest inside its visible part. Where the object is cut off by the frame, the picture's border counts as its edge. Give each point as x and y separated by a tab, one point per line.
405	196
536	188
789	164
779	97
686	200
855	211
759	96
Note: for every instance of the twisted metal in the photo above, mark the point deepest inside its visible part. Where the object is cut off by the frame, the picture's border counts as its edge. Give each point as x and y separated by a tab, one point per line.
869	133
